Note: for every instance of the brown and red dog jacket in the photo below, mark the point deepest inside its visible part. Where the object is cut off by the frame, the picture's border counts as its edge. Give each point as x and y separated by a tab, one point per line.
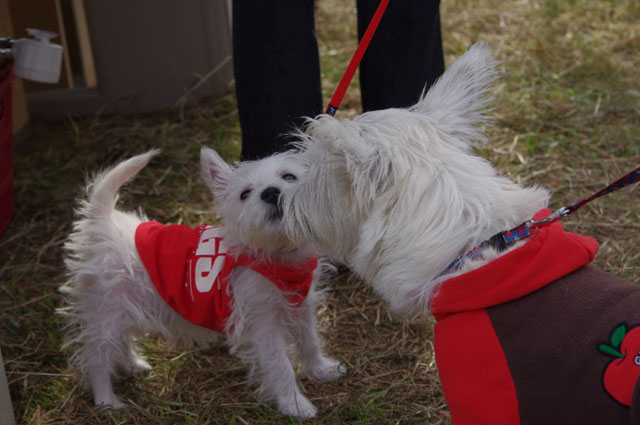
537	337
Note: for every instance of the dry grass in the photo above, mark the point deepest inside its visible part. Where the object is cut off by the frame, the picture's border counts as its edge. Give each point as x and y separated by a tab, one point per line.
567	118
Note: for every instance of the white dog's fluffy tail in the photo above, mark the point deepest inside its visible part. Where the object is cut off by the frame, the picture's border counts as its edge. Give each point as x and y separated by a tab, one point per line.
459	99
103	190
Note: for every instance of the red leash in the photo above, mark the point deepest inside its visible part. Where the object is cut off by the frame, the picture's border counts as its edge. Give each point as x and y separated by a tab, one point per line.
334	104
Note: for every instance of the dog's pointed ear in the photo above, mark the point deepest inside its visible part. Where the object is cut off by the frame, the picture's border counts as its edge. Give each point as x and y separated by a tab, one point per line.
216	173
364	162
370	173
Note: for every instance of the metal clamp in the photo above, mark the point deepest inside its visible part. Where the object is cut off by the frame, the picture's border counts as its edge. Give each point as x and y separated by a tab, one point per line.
557	215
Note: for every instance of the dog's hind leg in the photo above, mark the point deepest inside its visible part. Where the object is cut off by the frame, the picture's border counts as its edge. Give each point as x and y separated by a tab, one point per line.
98	365
135	363
309	345
102	388
106	348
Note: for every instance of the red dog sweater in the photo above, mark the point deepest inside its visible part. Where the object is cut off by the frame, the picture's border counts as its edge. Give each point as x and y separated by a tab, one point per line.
535	337
190	269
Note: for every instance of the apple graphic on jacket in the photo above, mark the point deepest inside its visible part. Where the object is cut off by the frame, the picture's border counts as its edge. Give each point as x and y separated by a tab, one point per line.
622	373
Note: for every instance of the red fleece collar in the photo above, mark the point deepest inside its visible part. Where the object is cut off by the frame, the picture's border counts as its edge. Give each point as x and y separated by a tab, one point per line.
293	279
547	256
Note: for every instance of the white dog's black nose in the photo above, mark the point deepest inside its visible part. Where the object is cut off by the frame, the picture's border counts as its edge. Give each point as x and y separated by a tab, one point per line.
270	195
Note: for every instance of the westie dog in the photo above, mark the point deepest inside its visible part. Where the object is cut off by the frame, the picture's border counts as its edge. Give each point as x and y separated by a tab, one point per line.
398	196
129	276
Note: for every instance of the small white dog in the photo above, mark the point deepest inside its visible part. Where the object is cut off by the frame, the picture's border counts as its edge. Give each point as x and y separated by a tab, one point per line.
401	194
524	334
129	276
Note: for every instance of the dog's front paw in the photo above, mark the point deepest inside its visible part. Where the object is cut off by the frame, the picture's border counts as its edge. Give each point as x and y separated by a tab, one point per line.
297	405
327	370
110	403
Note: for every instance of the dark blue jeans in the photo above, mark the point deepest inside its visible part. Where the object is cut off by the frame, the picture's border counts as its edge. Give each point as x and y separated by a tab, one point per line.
277	67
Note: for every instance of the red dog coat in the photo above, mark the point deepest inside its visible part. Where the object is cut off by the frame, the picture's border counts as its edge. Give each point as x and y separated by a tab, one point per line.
190	269
535	337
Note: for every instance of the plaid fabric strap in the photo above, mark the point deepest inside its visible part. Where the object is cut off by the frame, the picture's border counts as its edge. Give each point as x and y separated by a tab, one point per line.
504	239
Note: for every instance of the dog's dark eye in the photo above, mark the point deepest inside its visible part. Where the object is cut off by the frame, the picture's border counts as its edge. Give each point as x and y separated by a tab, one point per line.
244	195
289	177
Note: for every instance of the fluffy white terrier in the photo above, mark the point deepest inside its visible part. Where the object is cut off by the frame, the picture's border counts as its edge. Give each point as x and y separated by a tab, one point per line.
112	300
402	194
526	334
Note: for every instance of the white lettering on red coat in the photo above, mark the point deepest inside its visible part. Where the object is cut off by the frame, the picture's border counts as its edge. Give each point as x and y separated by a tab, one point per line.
209	259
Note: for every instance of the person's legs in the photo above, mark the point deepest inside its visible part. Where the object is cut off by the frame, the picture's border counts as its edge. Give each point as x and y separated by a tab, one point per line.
277	71
405	54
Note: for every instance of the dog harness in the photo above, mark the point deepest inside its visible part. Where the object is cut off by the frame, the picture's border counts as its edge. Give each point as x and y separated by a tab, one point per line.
536	337
190	269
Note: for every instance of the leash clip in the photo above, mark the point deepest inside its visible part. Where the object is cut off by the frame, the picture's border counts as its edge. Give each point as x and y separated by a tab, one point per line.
557	215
